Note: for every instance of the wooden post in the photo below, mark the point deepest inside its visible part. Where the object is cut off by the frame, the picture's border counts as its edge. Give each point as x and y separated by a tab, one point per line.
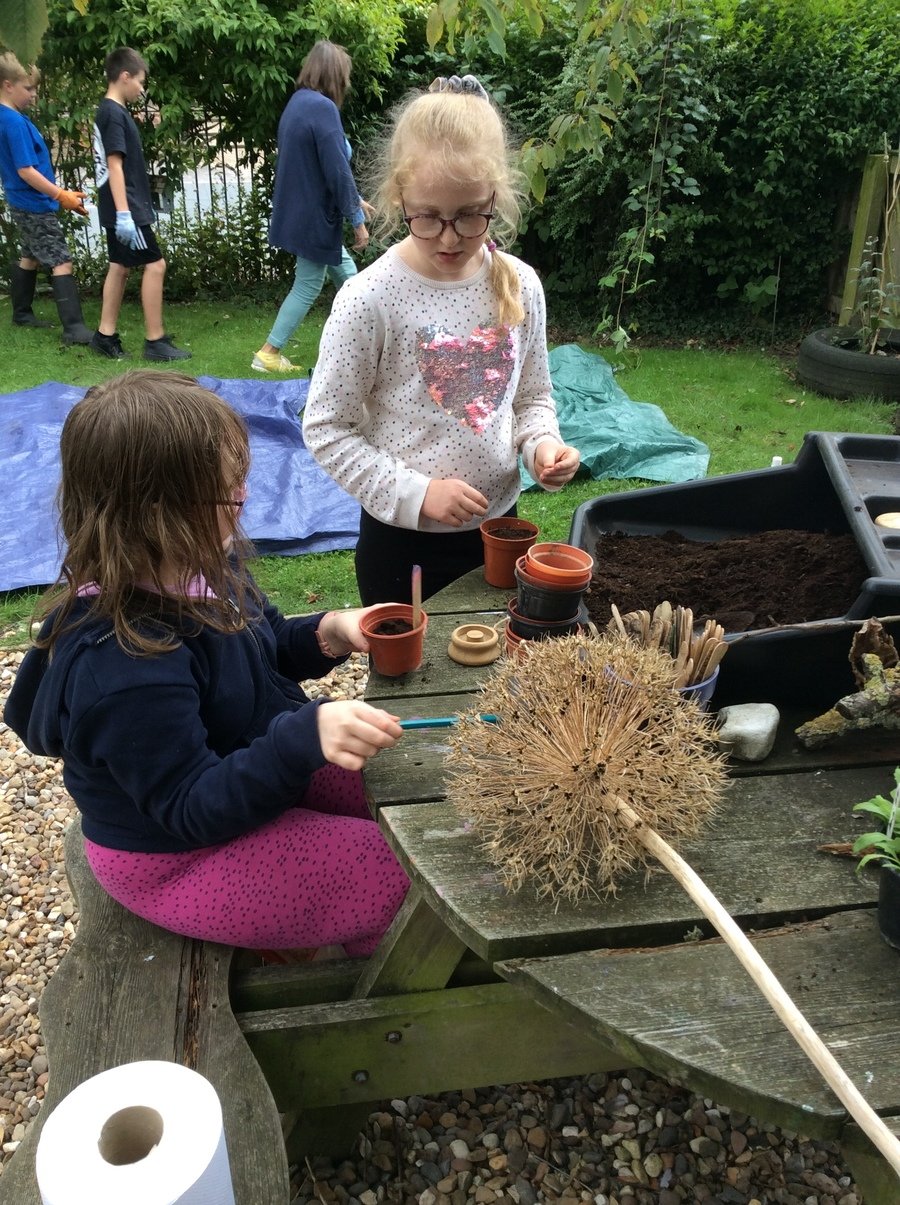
868	225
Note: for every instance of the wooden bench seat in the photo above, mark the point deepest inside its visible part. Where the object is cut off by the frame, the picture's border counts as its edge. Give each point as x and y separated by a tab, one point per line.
691	1014
128	990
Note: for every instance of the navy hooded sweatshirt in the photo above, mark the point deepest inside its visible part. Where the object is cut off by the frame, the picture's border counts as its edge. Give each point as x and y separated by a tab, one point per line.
181	750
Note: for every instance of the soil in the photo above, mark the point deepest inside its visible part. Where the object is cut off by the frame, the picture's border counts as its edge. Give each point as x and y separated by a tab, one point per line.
509	533
393	627
745	583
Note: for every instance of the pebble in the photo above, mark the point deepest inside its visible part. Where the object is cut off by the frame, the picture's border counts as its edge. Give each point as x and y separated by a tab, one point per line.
747	731
602	1139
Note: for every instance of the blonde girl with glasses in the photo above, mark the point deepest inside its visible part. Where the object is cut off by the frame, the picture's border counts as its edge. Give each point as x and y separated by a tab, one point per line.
216	799
432	378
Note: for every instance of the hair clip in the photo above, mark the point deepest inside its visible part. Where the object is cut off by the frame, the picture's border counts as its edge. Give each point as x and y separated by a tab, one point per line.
491	245
453	83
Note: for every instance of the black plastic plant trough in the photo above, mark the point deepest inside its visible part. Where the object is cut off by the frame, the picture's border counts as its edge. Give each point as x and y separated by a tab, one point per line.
838	483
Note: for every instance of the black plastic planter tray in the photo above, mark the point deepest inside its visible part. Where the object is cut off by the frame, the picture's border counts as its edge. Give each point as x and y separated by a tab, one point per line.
838	483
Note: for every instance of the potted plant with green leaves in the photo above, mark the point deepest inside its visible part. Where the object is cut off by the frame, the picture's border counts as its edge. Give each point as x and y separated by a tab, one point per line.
883	847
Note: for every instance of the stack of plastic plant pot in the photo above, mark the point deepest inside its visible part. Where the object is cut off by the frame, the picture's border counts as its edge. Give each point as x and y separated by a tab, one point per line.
550	583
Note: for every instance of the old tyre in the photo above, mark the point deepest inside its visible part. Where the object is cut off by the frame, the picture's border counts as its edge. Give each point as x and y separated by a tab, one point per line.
841	372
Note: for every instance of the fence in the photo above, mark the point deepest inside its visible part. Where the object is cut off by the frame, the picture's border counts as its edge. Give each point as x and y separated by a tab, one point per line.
874	261
222	180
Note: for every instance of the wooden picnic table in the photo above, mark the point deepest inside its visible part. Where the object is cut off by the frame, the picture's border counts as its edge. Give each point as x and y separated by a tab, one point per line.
473	986
629	973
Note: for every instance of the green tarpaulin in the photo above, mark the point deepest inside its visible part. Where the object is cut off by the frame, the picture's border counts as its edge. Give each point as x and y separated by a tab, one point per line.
616	436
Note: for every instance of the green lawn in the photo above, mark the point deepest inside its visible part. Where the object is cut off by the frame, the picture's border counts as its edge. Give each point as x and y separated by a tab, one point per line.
743	404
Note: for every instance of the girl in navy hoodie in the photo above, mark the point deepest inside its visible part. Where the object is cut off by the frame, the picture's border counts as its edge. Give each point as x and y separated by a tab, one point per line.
217	800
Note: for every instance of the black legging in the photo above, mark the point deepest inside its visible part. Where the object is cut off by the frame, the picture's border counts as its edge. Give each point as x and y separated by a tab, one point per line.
385	556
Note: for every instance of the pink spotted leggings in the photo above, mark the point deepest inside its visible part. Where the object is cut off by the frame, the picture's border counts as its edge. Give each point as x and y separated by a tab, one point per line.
318	875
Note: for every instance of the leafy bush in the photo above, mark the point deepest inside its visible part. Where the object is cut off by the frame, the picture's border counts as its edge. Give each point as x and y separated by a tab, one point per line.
725	175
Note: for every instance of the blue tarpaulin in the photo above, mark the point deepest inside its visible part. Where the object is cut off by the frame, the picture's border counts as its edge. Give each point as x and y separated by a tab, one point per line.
294	507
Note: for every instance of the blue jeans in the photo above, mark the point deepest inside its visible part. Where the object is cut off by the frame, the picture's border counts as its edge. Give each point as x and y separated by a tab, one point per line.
308	281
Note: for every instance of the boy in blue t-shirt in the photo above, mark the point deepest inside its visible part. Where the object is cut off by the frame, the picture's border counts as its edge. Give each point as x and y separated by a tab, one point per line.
34	198
126	212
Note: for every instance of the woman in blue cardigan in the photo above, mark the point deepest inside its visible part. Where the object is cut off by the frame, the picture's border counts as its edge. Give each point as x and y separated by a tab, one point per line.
314	193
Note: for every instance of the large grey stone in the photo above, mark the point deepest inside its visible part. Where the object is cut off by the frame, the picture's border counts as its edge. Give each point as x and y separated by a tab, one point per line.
747	730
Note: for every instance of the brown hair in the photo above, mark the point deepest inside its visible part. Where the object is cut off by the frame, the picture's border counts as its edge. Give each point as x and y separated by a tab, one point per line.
146	459
12	71
326	69
123	59
460	136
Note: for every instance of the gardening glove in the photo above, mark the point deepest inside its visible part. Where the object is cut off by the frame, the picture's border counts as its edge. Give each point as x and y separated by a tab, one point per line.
127	232
70	199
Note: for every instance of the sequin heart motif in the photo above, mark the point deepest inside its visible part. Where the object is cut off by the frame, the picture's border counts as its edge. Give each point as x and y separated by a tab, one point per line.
466	377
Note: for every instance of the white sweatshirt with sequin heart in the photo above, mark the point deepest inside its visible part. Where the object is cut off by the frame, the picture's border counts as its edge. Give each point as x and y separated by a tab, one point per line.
415	381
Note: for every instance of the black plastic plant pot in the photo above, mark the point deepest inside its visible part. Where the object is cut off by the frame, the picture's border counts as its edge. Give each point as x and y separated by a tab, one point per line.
889	905
539	629
546	603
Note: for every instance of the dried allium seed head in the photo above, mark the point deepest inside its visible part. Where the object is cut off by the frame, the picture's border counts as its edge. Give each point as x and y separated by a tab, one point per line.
584	724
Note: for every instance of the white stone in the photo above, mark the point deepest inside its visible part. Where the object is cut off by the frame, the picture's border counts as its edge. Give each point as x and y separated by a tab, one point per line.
747	730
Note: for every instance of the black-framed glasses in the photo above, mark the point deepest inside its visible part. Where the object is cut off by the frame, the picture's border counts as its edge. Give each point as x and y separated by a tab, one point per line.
465	225
237	504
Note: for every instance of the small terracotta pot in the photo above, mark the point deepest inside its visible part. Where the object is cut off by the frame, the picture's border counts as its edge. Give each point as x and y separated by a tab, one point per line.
889	905
393	655
501	553
516	647
563	564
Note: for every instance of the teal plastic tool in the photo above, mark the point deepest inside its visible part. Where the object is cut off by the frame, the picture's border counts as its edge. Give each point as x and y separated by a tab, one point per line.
444	721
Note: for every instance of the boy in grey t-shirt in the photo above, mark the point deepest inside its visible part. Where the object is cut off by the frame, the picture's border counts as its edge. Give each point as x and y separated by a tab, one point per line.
126	212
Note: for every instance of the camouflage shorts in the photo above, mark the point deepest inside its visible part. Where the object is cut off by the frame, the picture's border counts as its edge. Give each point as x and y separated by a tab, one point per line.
41	237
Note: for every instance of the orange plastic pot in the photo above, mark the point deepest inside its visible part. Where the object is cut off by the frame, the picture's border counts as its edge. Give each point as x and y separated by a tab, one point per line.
502	552
393	654
559	564
516	647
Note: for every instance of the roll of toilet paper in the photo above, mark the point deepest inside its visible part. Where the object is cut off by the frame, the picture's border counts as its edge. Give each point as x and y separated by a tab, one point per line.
146	1133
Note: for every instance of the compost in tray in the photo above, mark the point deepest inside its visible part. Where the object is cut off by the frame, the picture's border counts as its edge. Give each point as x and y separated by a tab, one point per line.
746	582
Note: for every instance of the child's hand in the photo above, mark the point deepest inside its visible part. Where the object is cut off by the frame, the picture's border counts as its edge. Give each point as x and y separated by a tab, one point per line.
362	237
450	501
368	210
555	463
70	199
350	732
127	232
340	632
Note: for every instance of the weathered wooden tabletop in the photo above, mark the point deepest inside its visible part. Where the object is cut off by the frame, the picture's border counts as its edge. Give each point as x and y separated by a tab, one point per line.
628	972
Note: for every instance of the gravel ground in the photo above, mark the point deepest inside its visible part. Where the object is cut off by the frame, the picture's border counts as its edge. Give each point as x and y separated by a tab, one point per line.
624	1139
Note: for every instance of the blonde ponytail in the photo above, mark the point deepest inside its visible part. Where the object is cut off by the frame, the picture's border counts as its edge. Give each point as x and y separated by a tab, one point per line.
507	289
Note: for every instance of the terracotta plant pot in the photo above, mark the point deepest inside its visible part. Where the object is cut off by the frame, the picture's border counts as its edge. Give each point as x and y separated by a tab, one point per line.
393	653
515	646
889	905
541	600
502	551
559	564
